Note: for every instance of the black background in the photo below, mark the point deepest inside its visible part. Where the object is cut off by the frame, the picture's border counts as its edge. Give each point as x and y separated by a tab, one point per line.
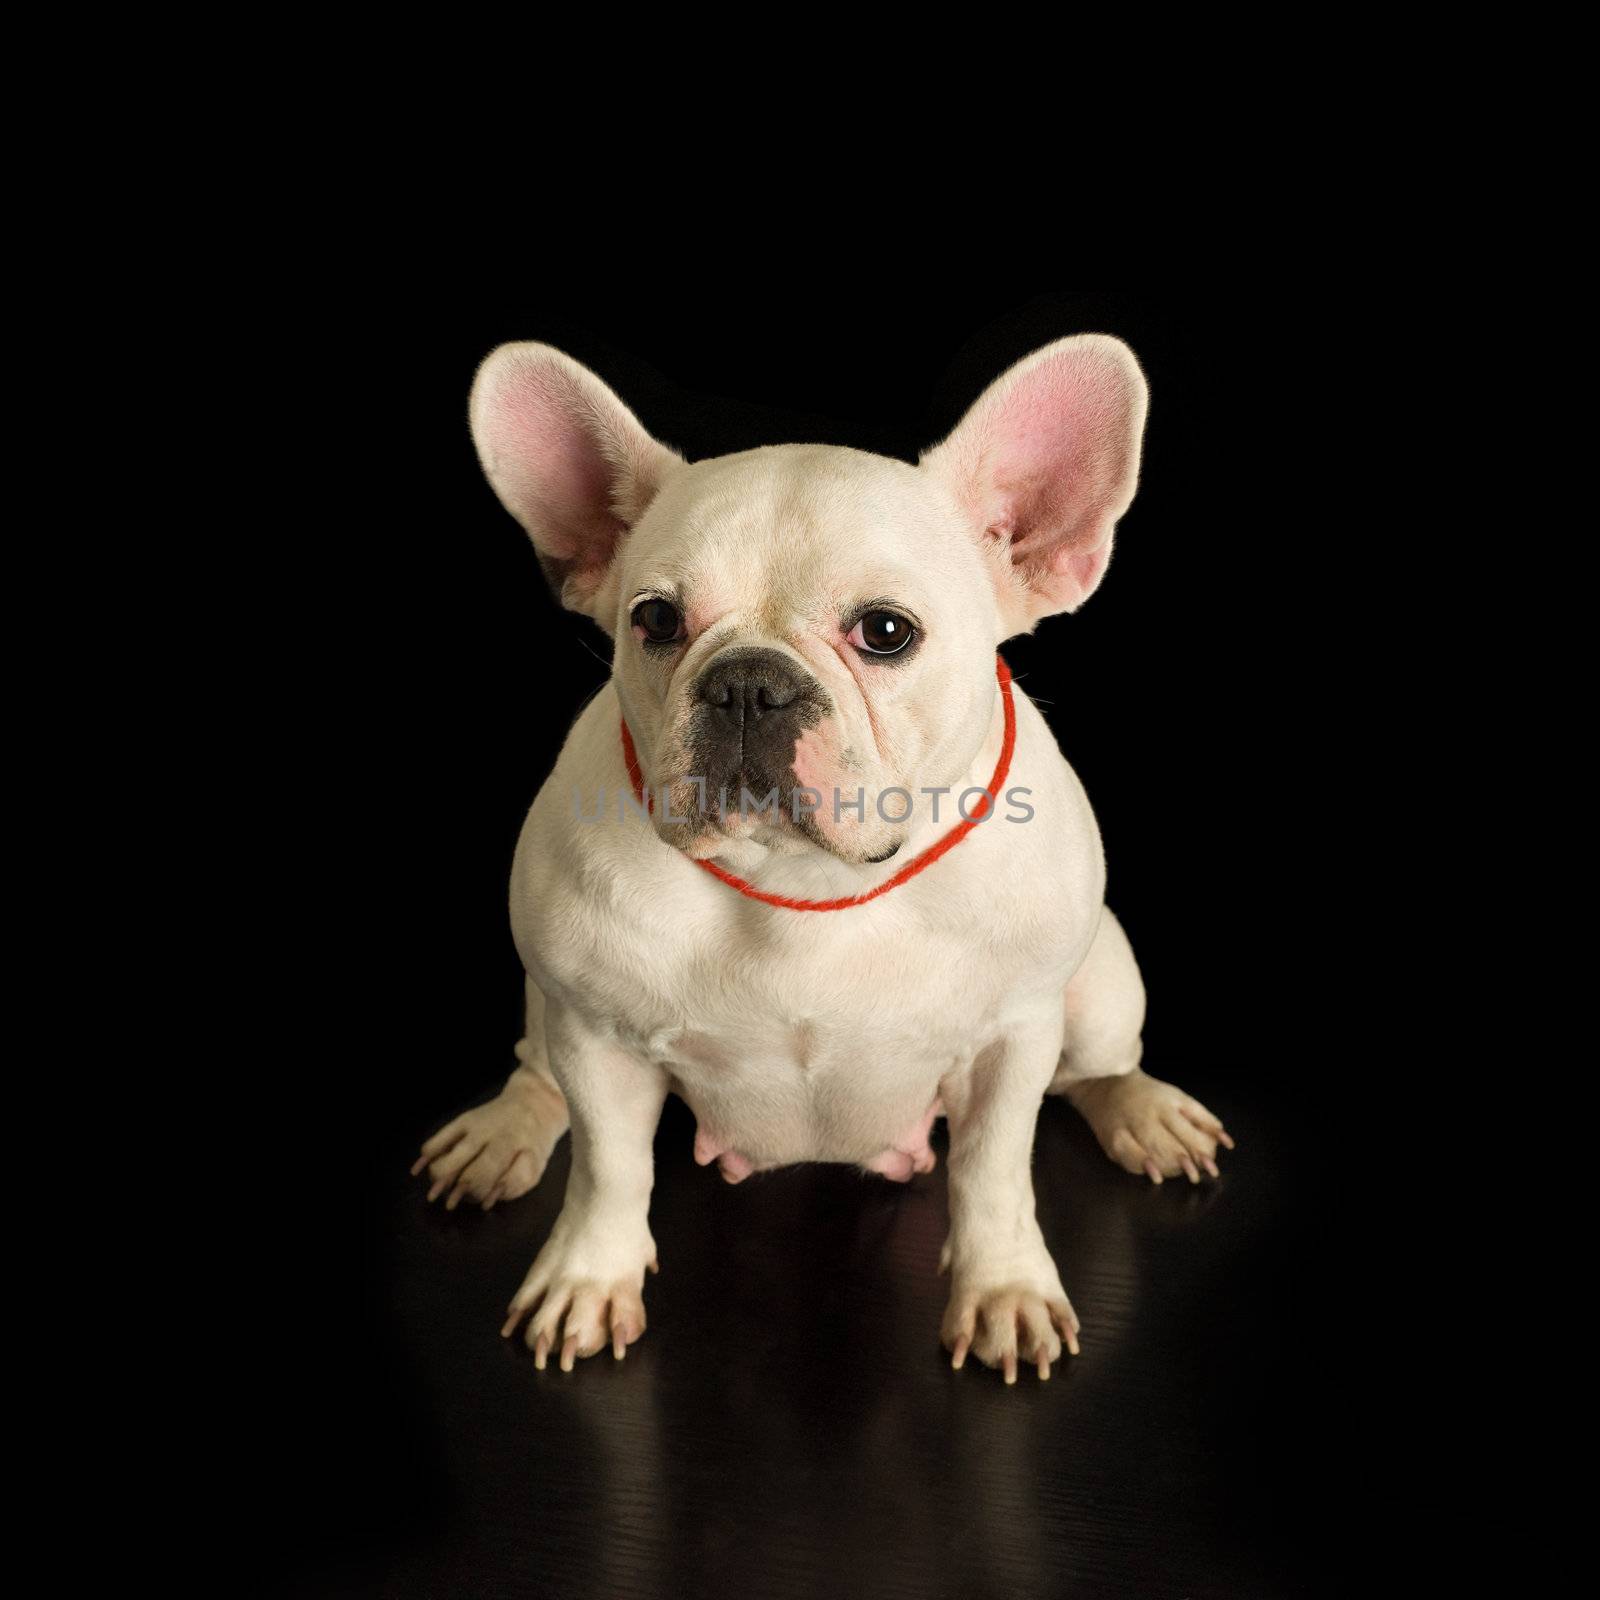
426	679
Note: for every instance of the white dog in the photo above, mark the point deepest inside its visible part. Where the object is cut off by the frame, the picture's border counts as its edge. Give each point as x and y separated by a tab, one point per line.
805	689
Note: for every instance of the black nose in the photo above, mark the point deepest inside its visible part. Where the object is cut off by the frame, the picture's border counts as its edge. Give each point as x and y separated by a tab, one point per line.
750	683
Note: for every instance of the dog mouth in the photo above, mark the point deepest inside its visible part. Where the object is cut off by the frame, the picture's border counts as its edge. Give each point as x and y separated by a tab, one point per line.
740	805
750	808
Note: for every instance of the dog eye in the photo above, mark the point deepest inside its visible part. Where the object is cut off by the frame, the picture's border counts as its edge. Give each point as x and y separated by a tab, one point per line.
657	621
882	633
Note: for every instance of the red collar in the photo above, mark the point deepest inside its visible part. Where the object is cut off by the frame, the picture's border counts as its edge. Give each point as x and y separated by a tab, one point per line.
926	859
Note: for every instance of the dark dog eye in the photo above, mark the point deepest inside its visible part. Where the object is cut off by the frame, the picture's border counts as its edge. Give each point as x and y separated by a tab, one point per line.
882	633
658	621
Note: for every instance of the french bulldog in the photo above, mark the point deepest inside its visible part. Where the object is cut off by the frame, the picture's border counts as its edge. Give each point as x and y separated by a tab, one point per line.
768	872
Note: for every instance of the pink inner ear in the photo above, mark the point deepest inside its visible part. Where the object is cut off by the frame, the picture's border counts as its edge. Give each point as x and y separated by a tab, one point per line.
1060	452
1079	572
1047	459
543	432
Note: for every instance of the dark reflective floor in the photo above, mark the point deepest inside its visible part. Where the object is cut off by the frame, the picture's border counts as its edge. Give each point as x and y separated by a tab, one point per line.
789	1427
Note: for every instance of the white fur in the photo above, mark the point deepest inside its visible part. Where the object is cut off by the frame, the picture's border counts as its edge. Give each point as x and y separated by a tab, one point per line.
992	977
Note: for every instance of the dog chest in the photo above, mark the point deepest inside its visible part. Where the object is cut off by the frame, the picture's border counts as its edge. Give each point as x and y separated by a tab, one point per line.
803	1065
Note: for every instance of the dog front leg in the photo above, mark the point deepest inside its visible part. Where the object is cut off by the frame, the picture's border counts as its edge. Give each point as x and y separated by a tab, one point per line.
585	1290
1006	1298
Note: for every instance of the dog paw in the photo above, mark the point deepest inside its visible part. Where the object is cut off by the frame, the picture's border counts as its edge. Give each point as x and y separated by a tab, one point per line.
496	1151
579	1298
1010	1323
1149	1127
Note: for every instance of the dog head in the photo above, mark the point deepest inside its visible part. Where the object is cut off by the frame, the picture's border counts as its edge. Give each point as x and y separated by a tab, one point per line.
807	621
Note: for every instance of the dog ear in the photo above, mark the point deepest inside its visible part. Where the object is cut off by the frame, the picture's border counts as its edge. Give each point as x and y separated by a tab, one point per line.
1044	463
569	461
